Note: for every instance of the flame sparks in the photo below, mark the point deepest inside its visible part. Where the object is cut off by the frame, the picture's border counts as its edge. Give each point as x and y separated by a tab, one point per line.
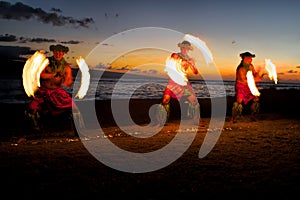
251	84
32	70
175	72
85	77
271	68
200	45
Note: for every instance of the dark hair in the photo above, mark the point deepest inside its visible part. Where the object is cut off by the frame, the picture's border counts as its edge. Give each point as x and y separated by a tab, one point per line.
247	54
59	47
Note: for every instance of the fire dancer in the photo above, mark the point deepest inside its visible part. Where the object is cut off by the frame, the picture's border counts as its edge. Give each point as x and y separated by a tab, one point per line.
51	97
243	92
180	89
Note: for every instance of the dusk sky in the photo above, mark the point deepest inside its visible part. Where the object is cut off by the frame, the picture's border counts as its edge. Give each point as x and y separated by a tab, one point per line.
269	29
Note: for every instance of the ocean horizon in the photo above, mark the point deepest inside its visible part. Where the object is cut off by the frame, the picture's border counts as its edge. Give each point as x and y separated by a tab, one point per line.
133	87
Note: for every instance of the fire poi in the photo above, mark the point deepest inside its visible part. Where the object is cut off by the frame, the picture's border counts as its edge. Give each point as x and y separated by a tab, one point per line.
32	70
85	77
252	84
178	65
245	87
38	62
200	45
173	66
271	69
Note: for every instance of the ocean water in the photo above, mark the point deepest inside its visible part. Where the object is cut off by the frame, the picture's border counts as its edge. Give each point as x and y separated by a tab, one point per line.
12	91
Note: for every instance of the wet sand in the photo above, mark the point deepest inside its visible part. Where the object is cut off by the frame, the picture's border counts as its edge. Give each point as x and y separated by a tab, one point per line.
251	159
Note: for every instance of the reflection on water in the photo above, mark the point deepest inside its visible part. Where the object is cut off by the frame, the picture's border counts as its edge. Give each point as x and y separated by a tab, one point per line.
11	90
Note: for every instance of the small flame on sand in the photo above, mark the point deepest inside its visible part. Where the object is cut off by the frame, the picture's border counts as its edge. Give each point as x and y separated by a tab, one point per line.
271	68
32	70
251	84
85	77
175	71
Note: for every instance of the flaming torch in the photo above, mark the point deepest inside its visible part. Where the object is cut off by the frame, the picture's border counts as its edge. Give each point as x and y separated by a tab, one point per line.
271	68
32	70
85	77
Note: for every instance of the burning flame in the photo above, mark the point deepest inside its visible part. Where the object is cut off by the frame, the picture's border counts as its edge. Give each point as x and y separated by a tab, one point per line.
271	68
251	84
38	62
85	77
173	66
200	45
175	71
32	70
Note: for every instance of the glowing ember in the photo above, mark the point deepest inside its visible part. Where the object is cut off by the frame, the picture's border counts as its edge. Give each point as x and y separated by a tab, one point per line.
32	70
200	45
85	77
251	84
175	71
271	68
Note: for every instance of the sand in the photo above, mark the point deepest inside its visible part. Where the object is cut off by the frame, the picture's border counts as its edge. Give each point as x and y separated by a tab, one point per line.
251	159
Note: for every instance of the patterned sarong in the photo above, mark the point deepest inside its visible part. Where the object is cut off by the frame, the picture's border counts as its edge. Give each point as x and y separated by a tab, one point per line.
177	91
243	92
55	101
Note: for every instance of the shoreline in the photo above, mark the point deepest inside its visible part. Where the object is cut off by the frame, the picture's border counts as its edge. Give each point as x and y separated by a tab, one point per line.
250	159
278	102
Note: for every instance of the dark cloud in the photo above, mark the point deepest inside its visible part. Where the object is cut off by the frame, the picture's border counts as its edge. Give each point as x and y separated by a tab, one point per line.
14	52
292	71
13	38
71	42
35	40
56	10
8	38
20	11
298	67
39	40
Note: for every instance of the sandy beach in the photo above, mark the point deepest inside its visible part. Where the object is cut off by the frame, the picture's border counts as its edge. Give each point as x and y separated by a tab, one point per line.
251	159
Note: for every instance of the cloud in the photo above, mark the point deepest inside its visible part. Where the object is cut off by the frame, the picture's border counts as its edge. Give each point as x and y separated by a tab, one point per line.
8	38
298	67
291	71
14	52
13	38
71	42
35	40
20	11
56	10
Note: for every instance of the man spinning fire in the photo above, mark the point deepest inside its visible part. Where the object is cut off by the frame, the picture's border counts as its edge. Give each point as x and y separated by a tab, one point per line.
51	97
244	95
178	86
